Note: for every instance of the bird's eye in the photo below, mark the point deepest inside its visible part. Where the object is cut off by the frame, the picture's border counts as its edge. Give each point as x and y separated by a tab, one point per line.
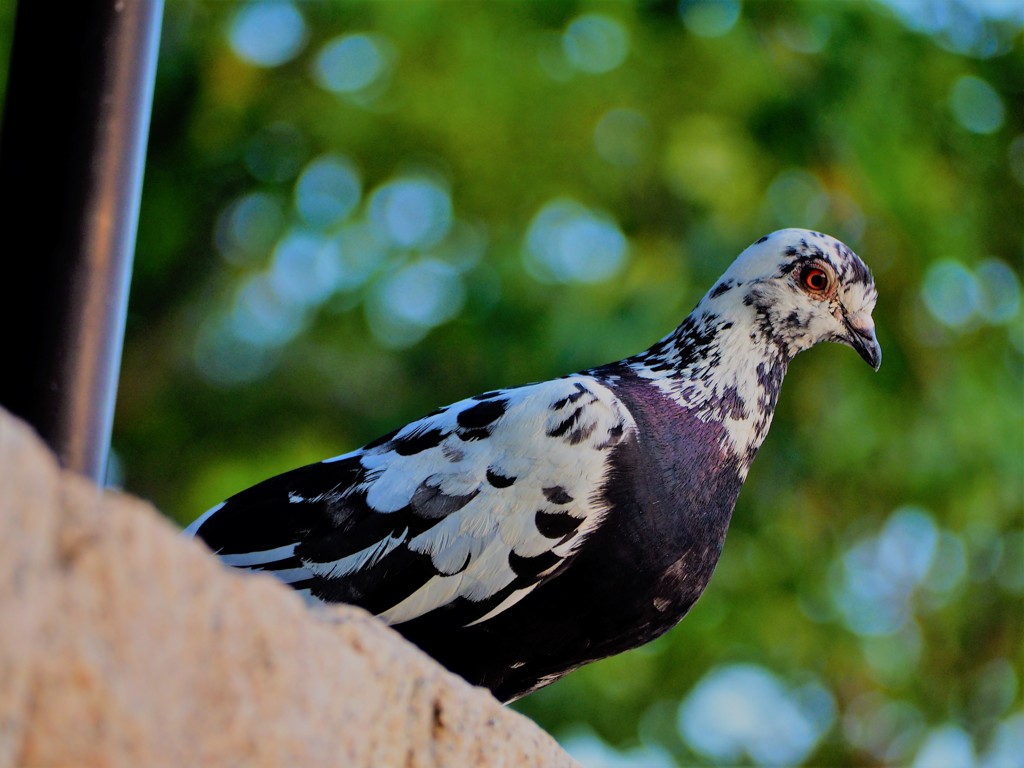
815	280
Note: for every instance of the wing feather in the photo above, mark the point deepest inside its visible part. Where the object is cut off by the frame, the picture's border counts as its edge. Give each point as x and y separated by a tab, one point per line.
468	509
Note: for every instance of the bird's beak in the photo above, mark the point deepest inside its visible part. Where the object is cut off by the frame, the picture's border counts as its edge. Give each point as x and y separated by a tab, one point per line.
860	334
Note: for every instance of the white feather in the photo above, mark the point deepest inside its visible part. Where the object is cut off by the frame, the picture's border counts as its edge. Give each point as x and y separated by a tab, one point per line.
364	558
263	557
198	522
508	602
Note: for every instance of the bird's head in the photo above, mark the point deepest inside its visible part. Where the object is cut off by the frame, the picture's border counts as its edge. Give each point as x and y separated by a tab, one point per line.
804	288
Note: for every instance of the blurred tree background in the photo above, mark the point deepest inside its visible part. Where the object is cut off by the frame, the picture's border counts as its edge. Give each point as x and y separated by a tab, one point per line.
357	211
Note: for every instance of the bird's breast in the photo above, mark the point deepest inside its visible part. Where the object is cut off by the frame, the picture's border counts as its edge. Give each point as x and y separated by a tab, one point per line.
670	492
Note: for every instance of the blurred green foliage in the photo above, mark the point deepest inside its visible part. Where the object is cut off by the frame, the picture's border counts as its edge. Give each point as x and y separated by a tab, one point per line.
876	557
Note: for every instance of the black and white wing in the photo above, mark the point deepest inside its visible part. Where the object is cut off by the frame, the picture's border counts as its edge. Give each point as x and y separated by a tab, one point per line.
468	509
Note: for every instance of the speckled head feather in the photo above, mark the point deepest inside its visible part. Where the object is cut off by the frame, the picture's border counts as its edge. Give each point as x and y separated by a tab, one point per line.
785	293
796	315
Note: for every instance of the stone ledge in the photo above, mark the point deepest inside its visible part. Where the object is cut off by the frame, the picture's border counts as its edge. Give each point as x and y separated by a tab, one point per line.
122	643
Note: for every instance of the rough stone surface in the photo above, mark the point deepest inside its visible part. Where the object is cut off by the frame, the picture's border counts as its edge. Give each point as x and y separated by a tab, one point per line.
124	644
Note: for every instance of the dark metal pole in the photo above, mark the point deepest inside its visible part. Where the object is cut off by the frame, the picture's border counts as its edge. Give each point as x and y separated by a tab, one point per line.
72	151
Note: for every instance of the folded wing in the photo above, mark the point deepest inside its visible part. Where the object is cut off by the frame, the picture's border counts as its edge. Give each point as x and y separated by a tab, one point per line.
466	510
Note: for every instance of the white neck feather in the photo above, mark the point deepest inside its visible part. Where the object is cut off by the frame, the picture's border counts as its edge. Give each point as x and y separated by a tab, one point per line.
722	367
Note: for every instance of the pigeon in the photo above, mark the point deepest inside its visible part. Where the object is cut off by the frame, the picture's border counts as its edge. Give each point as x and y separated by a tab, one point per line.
521	533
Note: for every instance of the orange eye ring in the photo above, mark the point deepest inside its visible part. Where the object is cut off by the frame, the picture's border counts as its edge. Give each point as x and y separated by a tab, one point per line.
815	280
